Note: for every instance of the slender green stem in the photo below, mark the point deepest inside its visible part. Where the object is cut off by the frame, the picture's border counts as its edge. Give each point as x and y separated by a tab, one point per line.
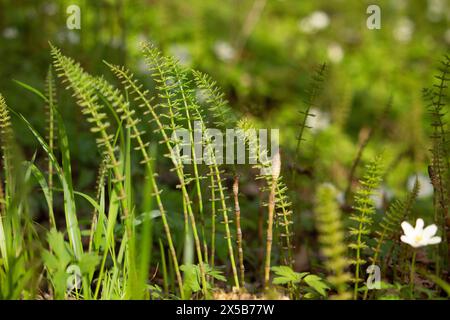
194	157
213	217
287	231
131	123
412	274
164	268
128	80
214	169
51	140
357	267
227	227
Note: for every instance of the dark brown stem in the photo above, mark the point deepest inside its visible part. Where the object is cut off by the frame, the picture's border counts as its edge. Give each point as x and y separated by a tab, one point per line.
269	234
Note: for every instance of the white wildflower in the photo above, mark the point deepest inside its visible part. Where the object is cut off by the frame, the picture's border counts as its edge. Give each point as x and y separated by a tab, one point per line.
418	236
224	51
10	33
404	30
435	10
305	26
318	20
335	53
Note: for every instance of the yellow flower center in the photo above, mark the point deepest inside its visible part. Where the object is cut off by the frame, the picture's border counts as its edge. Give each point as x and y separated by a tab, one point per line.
418	238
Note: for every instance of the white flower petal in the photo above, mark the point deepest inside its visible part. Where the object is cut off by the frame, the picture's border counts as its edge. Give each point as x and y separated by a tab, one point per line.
418	236
434	240
415	244
429	231
419	225
407	228
422	243
405	239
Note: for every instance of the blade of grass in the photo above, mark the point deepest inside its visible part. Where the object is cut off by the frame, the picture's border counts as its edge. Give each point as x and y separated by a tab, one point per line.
69	203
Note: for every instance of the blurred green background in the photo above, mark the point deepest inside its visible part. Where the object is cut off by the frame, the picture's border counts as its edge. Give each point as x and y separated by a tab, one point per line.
263	54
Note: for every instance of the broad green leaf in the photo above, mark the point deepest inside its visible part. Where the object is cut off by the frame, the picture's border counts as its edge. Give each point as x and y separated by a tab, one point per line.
317	284
88	262
191	281
285	275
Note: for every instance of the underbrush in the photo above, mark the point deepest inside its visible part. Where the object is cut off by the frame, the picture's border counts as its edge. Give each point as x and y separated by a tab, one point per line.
173	227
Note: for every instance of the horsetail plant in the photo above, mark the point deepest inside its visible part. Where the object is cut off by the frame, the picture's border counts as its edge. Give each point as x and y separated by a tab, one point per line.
331	238
50	93
312	94
166	74
215	101
110	257
223	118
398	211
278	204
185	104
212	186
172	144
276	168
123	109
237	212
363	211
440	157
98	214
212	163
171	71
5	136
84	89
7	142
284	220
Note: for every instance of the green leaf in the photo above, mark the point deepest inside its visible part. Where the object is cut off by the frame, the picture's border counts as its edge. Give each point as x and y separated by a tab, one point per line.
69	203
57	260
285	275
88	262
59	247
317	284
309	295
191	281
70	209
192	277
32	89
215	273
45	189
50	261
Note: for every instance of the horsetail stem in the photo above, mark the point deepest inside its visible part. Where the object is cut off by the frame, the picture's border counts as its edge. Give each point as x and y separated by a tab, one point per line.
237	211
128	80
